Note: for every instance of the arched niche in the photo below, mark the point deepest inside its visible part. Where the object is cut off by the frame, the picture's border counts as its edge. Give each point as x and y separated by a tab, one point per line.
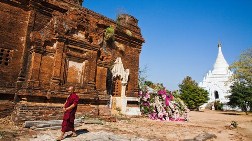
216	94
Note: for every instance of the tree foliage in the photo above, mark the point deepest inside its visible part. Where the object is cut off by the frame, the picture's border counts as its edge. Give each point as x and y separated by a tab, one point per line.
241	90
148	83
241	96
142	77
192	94
242	68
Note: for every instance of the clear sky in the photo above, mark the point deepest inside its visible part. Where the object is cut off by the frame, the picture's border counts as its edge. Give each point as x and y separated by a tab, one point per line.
181	36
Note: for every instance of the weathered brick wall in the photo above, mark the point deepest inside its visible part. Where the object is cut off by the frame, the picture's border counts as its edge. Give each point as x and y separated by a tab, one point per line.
6	108
101	77
36	111
40	20
131	61
13	28
29	111
39	40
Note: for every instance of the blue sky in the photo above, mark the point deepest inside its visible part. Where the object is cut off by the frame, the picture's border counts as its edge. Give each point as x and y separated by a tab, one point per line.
181	36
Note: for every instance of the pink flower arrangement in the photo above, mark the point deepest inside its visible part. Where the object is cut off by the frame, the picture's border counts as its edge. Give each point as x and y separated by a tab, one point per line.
160	106
162	92
147	95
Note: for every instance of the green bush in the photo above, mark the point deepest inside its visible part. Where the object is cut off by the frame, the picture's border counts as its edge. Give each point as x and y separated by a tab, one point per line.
109	32
218	105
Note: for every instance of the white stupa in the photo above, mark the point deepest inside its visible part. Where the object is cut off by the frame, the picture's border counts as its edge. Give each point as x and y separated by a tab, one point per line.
217	82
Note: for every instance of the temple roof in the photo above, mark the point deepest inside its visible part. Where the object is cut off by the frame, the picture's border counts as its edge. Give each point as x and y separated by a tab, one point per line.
220	65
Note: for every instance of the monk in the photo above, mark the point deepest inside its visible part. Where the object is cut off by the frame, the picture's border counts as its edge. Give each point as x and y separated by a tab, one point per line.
69	109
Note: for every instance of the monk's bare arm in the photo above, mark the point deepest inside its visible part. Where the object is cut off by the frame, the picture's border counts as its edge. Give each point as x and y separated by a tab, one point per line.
71	107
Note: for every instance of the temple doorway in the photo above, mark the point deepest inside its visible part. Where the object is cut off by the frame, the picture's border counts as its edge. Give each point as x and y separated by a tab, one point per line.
216	95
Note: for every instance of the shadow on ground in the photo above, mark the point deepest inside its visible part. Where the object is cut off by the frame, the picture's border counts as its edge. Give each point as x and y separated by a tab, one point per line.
79	132
231	113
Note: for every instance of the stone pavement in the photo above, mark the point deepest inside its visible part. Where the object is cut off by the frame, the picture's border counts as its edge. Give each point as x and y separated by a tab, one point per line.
86	136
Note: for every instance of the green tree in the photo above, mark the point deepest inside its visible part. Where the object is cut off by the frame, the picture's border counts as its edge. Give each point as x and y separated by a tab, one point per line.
242	68
241	96
192	94
176	94
148	83
142	77
241	90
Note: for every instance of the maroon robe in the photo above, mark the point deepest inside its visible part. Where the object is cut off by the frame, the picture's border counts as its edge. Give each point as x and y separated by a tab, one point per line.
69	115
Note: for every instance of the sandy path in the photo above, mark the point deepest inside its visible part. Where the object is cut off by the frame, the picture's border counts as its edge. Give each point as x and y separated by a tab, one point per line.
141	129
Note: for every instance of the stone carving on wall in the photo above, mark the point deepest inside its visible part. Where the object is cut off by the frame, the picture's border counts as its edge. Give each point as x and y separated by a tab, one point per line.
118	70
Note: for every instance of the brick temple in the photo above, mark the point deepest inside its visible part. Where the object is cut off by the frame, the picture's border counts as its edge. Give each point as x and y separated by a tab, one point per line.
48	45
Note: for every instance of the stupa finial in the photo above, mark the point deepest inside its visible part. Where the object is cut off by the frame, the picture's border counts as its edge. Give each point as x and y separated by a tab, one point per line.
219	44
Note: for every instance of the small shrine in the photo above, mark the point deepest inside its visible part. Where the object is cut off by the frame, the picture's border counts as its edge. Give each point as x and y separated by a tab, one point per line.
119	99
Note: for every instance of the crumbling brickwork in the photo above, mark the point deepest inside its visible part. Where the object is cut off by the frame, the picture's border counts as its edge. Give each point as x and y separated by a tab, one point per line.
48	45
24	111
6	108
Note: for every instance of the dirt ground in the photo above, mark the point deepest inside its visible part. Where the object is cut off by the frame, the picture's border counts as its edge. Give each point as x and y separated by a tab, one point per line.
141	129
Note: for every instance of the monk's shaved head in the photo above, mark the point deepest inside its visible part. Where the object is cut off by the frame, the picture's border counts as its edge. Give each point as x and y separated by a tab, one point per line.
71	89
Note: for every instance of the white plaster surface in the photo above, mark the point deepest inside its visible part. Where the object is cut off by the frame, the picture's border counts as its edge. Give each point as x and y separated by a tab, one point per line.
217	81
